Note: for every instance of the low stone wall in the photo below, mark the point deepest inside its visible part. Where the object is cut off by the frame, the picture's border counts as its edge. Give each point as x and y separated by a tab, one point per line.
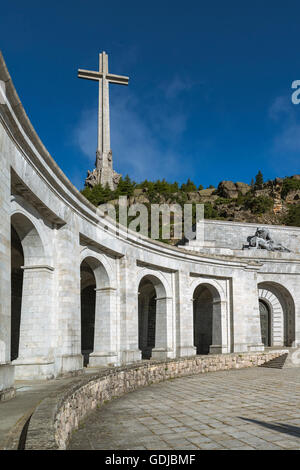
55	419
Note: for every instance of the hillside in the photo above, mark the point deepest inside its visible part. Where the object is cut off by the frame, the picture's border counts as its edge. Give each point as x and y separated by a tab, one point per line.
273	202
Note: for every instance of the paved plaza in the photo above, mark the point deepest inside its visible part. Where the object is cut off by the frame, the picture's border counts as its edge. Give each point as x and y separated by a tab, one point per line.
243	409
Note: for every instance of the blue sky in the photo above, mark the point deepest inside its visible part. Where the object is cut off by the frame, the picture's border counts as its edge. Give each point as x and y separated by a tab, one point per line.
209	95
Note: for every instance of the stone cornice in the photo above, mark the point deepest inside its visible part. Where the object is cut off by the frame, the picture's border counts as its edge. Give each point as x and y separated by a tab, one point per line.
38	267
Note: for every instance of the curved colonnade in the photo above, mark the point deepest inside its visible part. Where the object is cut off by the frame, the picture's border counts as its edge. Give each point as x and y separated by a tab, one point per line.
76	291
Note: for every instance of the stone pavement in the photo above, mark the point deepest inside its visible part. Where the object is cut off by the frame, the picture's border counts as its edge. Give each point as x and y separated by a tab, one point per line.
240	409
14	413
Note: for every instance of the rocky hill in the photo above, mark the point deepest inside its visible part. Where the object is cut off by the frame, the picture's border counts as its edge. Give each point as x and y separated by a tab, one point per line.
273	202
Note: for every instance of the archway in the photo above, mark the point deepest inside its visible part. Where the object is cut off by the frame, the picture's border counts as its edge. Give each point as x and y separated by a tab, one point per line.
280	304
155	323
207	319
98	314
147	317
32	300
26	252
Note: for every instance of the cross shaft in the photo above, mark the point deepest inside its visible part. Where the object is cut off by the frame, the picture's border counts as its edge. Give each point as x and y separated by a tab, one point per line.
104	78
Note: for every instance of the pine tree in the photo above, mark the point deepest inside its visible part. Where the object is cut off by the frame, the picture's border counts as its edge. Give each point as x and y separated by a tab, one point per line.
125	187
189	187
259	180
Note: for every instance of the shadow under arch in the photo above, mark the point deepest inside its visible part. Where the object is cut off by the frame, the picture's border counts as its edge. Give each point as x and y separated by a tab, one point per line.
207	318
281	307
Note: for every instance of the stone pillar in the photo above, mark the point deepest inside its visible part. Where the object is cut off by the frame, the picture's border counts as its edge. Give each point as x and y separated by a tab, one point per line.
184	316
164	347
220	326
105	341
37	341
129	331
246	318
6	369
143	322
68	323
296	343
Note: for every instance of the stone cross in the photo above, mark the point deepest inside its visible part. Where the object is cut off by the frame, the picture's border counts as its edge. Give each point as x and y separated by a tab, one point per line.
104	153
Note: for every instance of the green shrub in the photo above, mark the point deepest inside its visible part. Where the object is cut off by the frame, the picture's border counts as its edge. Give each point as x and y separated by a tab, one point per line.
98	194
293	216
259	204
289	184
222	200
209	211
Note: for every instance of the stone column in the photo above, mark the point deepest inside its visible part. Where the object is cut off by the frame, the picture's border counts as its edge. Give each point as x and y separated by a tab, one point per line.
37	341
296	343
129	332
220	325
68	323
105	340
6	369
184	316
164	347
246	318
143	322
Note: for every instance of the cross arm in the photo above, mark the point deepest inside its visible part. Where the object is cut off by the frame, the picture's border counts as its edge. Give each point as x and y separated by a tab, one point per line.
118	79
89	74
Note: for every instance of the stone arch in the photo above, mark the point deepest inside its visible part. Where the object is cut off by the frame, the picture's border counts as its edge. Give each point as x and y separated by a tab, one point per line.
216	287
98	310
32	323
100	274
159	281
207	315
155	316
101	267
27	249
24	215
30	238
282	312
